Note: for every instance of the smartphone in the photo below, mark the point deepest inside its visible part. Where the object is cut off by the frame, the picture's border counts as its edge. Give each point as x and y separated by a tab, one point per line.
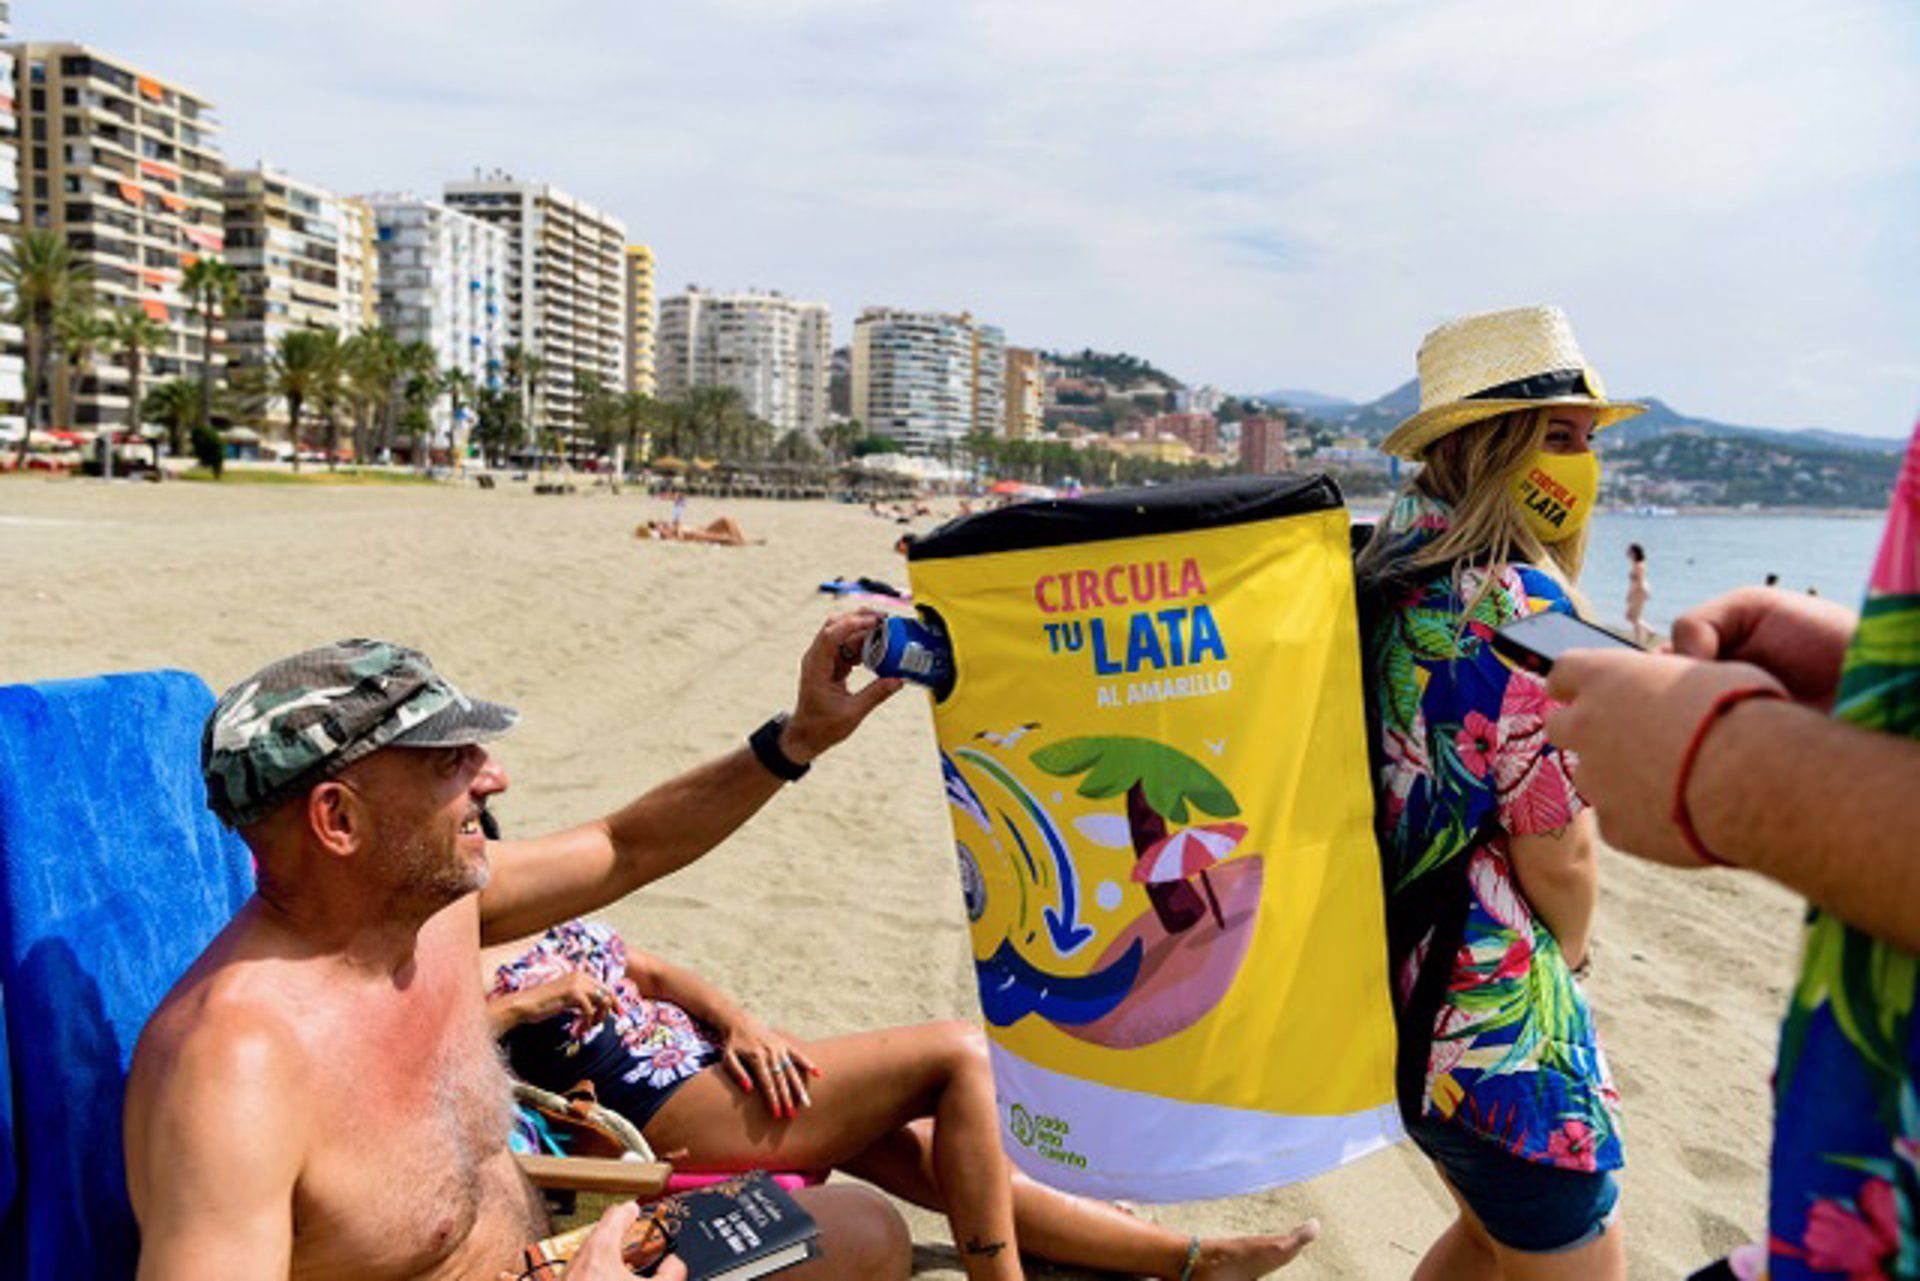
1534	642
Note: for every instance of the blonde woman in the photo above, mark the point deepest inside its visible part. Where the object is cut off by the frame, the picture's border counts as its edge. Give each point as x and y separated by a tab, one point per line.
1488	849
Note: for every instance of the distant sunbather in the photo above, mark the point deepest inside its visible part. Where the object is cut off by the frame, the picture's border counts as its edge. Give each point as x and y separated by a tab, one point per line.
685	1063
722	531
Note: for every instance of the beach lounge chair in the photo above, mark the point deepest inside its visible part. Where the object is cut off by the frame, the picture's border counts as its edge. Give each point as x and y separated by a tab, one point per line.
113	877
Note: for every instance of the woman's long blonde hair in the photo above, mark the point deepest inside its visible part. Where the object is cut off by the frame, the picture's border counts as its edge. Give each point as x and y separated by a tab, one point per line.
1472	471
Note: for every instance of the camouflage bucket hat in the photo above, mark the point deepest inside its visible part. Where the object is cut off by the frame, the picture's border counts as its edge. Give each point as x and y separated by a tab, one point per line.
303	719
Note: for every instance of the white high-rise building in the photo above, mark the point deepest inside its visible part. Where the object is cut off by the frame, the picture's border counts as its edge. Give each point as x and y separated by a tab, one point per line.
927	378
566	287
443	280
13	378
772	349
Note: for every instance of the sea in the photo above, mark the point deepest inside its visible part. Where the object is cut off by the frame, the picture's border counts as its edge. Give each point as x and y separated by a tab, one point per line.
1691	559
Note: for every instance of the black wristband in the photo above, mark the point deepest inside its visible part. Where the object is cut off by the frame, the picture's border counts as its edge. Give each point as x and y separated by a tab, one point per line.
765	745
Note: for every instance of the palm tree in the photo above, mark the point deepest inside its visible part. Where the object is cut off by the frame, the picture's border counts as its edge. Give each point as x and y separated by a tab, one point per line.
80	331
301	367
417	377
525	370
639	413
213	288
175	404
457	384
715	415
135	333
367	361
41	278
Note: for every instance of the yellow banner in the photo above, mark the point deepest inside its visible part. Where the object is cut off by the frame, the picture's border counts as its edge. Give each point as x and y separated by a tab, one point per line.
1155	759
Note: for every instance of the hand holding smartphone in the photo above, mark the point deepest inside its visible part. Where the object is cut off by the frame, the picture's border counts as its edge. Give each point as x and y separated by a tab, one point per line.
1536	641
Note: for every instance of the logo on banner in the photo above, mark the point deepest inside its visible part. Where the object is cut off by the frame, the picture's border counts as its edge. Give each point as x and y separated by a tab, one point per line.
1045	1135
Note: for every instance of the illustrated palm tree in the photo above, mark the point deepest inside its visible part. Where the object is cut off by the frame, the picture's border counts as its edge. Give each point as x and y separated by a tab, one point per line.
175	405
41	278
303	365
1159	783
213	288
136	333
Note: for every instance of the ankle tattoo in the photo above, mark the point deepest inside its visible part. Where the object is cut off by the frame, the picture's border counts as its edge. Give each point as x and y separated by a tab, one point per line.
986	1249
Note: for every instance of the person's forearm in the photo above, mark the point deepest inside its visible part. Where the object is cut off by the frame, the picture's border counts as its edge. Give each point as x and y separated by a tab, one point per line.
1824	807
662	979
1563	887
686	816
505	1012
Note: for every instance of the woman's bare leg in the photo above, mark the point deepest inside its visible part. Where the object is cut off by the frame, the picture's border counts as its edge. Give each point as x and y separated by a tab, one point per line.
1077	1231
870	1085
1467	1252
862	1237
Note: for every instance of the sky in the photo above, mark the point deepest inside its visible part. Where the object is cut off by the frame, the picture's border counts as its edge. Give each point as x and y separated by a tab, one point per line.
1251	193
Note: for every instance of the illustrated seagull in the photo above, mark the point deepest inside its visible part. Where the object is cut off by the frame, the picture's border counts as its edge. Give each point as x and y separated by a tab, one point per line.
1217	747
1010	737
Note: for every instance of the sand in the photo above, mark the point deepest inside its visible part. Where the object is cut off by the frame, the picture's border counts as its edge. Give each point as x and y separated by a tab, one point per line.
835	910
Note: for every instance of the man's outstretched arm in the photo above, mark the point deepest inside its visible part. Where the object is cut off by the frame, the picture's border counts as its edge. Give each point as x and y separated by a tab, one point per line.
536	883
214	1195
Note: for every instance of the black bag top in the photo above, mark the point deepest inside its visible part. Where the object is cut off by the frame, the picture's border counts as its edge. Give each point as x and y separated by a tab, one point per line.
1129	513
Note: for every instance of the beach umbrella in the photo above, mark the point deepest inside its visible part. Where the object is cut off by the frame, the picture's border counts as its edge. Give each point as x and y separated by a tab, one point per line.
1190	852
1006	487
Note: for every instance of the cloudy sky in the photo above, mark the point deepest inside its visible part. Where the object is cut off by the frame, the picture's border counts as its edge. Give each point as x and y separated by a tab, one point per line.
1253	193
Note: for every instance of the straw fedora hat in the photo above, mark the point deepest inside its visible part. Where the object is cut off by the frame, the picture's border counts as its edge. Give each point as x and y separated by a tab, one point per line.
1482	366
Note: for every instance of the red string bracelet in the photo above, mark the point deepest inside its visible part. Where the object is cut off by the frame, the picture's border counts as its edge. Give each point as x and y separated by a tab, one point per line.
1681	818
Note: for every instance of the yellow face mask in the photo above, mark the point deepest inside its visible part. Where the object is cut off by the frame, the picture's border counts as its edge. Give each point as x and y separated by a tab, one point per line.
1556	493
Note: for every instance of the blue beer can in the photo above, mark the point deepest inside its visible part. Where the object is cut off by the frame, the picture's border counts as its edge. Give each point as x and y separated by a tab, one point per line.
910	650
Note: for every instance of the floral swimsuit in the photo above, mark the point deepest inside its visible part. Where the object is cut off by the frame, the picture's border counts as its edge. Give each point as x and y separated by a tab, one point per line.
636	1057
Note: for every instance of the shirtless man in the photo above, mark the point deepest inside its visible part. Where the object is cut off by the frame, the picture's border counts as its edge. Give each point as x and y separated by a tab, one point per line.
319	1096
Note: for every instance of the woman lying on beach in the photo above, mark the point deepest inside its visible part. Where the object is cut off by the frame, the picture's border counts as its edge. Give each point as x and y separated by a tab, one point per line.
910	1109
722	531
1488	850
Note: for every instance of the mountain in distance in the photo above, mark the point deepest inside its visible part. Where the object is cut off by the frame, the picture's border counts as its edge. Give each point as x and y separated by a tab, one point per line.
1377	417
1312	401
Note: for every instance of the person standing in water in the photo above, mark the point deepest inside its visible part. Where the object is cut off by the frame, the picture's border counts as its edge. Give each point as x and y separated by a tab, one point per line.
1638	593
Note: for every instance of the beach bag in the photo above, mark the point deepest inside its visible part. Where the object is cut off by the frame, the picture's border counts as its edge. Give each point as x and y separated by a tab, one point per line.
1155	760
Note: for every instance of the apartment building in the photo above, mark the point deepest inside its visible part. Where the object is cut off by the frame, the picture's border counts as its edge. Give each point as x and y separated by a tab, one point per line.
443	281
1201	432
304	258
641	370
566	287
989	379
1263	445
774	350
125	165
927	378
13	376
1026	395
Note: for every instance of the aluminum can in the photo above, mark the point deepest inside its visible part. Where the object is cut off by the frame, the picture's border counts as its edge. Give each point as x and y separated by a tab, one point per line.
910	650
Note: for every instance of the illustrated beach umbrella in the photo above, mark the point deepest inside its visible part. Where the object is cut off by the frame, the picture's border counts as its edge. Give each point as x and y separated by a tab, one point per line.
1187	853
1159	784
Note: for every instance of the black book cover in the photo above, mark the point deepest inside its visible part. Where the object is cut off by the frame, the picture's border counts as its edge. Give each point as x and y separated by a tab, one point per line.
746	1227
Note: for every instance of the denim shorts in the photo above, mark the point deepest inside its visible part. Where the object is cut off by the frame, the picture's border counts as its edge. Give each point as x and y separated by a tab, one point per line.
1525	1206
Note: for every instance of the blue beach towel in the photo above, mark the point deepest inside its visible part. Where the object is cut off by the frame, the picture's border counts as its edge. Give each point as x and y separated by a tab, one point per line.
113	877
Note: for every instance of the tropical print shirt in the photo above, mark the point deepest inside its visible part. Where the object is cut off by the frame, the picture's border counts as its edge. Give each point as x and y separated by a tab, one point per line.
1464	765
1846	1137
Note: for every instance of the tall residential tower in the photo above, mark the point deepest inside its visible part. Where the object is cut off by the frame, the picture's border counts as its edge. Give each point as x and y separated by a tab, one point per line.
122	164
641	369
927	379
443	281
566	287
304	257
772	349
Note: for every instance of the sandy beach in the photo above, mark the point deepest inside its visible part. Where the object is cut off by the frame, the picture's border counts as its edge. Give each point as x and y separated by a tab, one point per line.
835	910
